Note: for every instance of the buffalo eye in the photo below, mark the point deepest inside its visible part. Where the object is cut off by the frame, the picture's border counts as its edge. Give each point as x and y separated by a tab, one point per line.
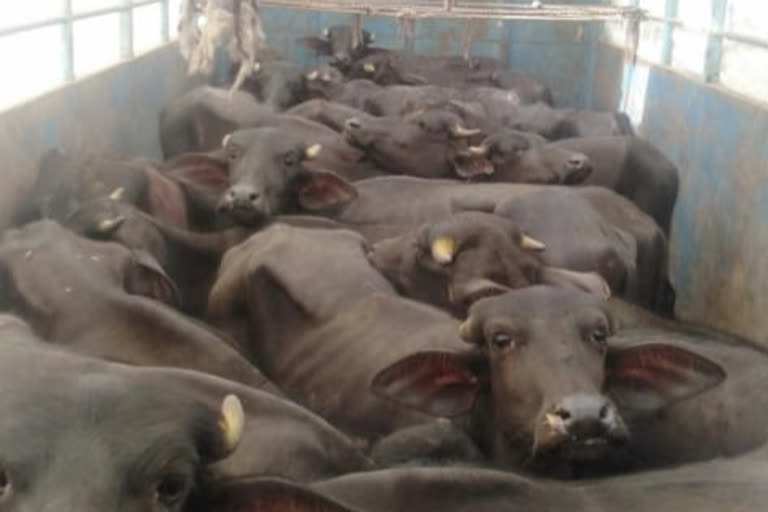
171	489
291	158
233	152
503	341
5	484
599	336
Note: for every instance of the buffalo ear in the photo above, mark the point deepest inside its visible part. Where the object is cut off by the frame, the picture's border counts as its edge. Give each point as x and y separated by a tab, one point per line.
267	495
318	190
144	276
205	169
467	165
441	384
651	376
318	45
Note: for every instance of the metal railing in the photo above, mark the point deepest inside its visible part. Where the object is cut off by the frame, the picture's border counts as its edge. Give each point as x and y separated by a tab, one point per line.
67	19
462	9
423	9
715	34
725	34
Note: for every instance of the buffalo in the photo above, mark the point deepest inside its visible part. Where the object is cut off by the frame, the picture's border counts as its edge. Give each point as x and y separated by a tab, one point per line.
421	359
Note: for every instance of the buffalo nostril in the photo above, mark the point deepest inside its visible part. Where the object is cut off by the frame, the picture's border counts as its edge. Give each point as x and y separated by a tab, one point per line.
353	124
578	161
231	194
563	414
253	196
604	412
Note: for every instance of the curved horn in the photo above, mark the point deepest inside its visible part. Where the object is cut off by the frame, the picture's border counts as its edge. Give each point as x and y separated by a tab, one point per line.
443	250
312	151
530	243
256	67
326	32
369	67
231	422
481	150
468	331
117	194
460	131
109	225
312	75
226	140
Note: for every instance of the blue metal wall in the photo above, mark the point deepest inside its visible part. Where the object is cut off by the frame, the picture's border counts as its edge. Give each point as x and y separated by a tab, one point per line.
113	112
720	143
559	54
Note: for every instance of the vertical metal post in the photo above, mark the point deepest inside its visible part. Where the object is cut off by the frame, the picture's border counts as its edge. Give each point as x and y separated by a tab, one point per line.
631	44
448	5
126	30
670	12
68	42
165	21
357	30
714	55
591	32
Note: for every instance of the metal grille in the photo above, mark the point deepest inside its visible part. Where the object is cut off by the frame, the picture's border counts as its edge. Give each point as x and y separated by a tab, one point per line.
67	19
462	9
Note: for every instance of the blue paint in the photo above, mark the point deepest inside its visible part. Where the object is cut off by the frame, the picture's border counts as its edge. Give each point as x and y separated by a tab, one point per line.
559	54
718	141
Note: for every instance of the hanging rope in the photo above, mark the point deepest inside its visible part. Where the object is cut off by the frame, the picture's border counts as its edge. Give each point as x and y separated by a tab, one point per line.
209	24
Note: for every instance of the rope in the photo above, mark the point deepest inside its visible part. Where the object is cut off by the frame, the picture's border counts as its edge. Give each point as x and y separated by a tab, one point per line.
209	24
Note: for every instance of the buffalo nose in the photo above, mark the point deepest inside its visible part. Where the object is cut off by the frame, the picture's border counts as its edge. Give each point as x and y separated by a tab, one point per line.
242	197
585	416
578	169
578	161
352	124
342	59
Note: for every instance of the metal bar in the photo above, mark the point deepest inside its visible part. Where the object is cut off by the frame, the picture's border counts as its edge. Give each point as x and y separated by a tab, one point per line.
670	12
70	17
740	38
592	36
474	10
745	39
165	20
126	30
714	55
68	43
